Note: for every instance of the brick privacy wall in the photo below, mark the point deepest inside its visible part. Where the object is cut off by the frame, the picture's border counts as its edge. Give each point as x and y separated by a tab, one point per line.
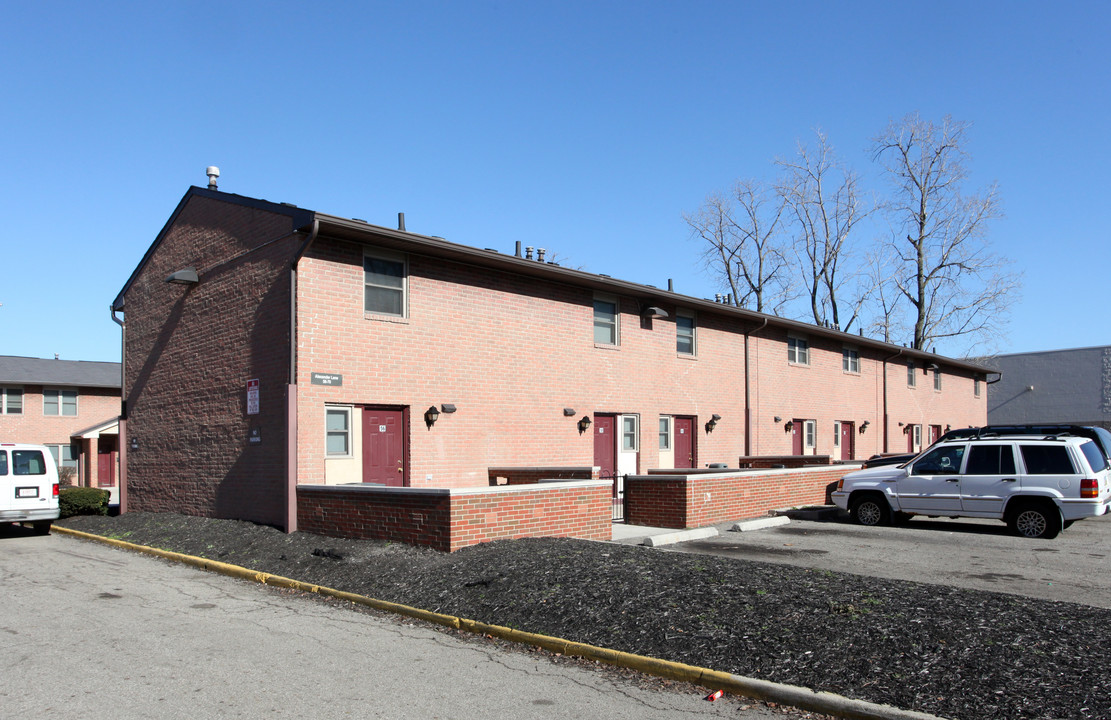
531	476
190	351
824	392
690	501
94	406
448	520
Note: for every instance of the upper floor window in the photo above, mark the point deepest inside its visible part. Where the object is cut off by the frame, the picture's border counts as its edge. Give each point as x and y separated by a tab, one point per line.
684	334
605	321
385	282
798	350
59	402
937	379
912	375
850	360
11	401
338	432
976	387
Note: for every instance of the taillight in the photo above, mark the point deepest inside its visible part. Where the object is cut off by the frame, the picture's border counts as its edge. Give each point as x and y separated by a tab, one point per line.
1089	488
55	490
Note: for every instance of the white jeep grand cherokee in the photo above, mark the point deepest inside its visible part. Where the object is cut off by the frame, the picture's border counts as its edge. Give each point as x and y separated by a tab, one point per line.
1037	485
28	486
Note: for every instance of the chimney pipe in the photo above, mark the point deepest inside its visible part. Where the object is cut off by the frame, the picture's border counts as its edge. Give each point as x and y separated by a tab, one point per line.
670	286
401	222
518	248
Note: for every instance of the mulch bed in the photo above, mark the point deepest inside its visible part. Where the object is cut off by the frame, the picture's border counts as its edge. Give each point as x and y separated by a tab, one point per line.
961	654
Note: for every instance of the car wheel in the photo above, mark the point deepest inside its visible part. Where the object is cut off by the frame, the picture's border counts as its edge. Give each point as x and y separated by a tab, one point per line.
870	510
41	527
1036	521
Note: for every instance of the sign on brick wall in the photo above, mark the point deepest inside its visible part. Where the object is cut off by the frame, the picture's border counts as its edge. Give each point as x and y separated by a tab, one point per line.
252	397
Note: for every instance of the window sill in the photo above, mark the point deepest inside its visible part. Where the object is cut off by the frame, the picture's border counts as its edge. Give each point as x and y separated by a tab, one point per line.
385	318
606	346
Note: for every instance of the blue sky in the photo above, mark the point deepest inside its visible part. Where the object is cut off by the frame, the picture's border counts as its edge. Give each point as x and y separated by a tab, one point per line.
587	128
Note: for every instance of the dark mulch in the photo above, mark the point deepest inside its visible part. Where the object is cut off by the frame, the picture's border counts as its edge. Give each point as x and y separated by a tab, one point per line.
961	654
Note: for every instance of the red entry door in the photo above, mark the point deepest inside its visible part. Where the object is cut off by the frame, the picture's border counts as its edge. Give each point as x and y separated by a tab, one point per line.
106	462
605	445
797	430
684	442
847	449
384	446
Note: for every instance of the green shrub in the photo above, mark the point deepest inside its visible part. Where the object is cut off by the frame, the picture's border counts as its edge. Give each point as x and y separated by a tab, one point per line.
83	501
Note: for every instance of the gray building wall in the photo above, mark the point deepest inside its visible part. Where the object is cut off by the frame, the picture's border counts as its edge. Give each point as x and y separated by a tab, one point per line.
1056	386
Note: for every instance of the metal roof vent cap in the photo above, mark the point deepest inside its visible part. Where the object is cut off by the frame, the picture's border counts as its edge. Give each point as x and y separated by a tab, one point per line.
212	172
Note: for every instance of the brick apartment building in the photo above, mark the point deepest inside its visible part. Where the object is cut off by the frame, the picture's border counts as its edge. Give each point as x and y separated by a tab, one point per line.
268	346
71	406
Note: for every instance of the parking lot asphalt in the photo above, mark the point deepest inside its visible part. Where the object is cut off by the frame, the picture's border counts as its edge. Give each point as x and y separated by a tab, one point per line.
976	554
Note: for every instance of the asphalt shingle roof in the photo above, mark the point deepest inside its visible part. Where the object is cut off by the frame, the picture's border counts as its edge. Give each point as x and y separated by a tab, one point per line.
73	373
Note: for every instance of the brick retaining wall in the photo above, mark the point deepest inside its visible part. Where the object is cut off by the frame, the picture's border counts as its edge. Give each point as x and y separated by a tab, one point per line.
450	519
698	500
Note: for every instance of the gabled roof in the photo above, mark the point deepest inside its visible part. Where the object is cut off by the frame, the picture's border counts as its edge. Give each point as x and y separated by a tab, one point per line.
71	373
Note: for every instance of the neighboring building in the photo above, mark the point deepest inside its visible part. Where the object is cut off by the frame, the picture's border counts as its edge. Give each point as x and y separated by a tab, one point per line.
1054	386
267	346
54	403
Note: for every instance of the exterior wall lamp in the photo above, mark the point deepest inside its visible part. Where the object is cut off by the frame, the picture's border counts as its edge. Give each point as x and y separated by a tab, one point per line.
431	415
863	427
584	424
777	419
568	412
448	408
788	425
712	422
185	276
653	311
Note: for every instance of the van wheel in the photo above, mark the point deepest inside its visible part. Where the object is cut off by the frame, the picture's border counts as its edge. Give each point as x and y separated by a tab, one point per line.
41	527
870	510
1036	520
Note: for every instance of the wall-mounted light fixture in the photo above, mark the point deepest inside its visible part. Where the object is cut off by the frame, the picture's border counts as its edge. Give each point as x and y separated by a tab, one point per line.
778	419
947	427
584	424
185	276
431	415
906	429
712	422
863	427
653	311
788	425
930	367
448	408
568	412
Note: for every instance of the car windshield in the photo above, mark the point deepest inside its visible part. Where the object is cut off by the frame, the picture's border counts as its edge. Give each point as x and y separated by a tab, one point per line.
945	460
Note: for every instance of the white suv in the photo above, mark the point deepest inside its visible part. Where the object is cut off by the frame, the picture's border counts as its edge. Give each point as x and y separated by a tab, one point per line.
1038	485
28	486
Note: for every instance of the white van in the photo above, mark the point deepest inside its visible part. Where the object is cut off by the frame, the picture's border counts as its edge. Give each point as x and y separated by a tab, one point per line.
28	486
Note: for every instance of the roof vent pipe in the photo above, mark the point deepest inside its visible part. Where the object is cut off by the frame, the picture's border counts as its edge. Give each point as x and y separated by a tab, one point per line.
518	253
212	172
540	254
717	297
401	222
528	252
670	285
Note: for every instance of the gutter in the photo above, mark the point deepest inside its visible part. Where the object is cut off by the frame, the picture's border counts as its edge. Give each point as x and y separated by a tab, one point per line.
121	433
886	430
748	408
291	387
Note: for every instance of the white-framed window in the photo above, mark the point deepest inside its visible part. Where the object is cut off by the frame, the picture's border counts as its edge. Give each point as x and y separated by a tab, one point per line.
684	333
385	283
976	387
917	430
912	375
937	380
810	434
606	329
337	424
798	350
850	360
11	401
58	401
64	456
837	433
665	432
630	433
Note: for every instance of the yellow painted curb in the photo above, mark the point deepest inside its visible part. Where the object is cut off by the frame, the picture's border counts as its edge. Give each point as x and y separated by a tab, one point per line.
796	696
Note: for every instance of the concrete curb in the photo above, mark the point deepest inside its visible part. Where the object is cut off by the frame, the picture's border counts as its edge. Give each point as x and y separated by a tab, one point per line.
679	536
761	523
800	697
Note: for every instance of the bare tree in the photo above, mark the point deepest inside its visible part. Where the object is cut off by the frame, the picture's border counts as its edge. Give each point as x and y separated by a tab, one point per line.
955	285
823	196
741	233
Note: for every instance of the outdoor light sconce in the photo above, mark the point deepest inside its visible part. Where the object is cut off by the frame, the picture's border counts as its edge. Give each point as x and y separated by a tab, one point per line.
906	429
712	423
584	424
788	425
928	368
185	276
947	427
653	311
778	419
863	427
448	408
568	412
431	415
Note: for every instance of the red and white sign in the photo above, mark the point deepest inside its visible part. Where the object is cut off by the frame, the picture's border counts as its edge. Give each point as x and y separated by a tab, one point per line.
252	397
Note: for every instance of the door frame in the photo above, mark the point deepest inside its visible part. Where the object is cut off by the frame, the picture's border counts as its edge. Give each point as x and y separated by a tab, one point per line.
406	447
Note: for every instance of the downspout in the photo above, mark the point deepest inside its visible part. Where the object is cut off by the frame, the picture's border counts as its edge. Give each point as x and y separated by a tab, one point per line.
748	408
291	388
885	423
121	432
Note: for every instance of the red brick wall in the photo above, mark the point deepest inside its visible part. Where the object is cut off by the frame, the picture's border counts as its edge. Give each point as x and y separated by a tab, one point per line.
529	476
94	405
448	520
189	353
690	501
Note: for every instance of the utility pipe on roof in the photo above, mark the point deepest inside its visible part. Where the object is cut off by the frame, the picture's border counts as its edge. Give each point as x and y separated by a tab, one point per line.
748	409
